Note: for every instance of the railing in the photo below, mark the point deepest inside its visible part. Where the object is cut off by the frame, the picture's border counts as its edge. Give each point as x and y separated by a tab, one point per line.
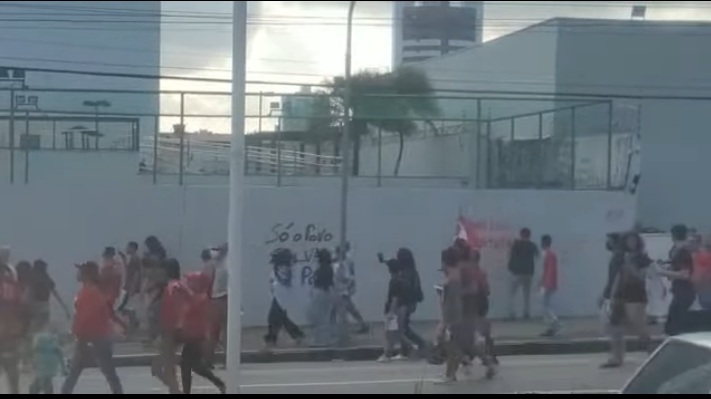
203	157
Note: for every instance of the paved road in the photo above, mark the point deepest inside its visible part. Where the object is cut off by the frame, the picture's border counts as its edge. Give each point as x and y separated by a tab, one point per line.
518	374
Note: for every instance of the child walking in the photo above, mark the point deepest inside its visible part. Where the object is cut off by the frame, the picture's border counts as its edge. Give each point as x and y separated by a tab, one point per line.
49	360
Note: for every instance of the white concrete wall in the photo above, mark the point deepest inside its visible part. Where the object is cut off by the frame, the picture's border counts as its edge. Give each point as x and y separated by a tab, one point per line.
66	223
657	59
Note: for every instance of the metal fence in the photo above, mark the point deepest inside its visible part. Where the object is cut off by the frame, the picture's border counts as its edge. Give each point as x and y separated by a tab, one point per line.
486	142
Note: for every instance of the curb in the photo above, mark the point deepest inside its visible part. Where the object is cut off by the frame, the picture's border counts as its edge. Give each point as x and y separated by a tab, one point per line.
371	353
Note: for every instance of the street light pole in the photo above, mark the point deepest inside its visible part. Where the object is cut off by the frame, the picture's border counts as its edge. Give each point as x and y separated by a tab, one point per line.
237	196
345	145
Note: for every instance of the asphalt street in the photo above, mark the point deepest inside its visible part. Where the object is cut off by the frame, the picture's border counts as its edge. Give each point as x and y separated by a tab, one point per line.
549	374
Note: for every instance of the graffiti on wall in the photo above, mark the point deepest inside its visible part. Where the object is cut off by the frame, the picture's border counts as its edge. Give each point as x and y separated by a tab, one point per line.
304	241
493	239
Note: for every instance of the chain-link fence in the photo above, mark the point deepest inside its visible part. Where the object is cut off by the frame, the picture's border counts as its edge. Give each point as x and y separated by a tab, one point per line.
484	142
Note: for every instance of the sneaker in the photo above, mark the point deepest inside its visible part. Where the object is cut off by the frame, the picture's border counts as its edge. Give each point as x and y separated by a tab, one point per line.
401	358
445	381
491	372
611	365
468	370
223	388
385	359
364	329
551	333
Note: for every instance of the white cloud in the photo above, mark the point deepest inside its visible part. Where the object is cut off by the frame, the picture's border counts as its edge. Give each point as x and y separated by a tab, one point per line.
304	41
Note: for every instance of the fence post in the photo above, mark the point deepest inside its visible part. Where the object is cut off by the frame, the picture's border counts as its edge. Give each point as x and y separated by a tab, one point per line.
279	161
573	147
488	153
541	158
609	144
137	137
12	136
261	110
181	132
54	135
156	137
27	146
479	126
380	157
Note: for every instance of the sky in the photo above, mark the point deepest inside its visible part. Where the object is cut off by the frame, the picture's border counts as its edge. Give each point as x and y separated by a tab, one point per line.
304	41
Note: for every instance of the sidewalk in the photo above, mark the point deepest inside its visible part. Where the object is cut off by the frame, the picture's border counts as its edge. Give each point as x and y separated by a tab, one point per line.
579	336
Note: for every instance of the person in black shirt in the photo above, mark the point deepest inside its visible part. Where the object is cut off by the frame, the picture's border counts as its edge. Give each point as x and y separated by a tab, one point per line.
42	290
396	310
680	273
522	267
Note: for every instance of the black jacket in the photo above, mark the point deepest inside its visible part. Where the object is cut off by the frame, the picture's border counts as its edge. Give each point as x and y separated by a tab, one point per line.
522	261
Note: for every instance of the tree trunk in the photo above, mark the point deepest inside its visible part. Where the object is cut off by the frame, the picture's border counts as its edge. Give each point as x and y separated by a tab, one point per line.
400	153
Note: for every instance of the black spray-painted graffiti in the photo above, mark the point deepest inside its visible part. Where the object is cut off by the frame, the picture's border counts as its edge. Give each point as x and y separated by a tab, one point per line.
304	242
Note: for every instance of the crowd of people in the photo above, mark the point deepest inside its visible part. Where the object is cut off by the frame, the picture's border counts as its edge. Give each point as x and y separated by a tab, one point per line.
625	298
331	299
464	333
119	293
127	291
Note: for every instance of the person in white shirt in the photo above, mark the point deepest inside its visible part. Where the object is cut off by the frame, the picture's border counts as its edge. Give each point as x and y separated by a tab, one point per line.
345	284
214	261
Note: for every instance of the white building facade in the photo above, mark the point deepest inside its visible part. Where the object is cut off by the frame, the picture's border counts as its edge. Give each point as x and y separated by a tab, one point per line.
115	37
668	64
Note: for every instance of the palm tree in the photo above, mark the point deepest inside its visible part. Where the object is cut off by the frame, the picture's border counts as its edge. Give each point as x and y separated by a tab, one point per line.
390	102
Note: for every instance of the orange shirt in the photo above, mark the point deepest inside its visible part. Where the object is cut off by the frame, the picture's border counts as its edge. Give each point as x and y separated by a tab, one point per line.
197	318
175	302
550	271
93	314
702	266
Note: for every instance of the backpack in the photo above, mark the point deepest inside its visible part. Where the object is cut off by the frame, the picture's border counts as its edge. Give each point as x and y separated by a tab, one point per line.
415	287
174	303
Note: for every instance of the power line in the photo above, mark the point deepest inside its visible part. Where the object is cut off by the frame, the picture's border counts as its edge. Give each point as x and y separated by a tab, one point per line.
544	95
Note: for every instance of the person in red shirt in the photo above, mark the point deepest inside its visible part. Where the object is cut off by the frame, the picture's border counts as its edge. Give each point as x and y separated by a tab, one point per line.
549	287
175	299
94	319
12	328
196	333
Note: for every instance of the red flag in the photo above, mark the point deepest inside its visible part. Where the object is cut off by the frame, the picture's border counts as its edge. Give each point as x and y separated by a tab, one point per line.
469	231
